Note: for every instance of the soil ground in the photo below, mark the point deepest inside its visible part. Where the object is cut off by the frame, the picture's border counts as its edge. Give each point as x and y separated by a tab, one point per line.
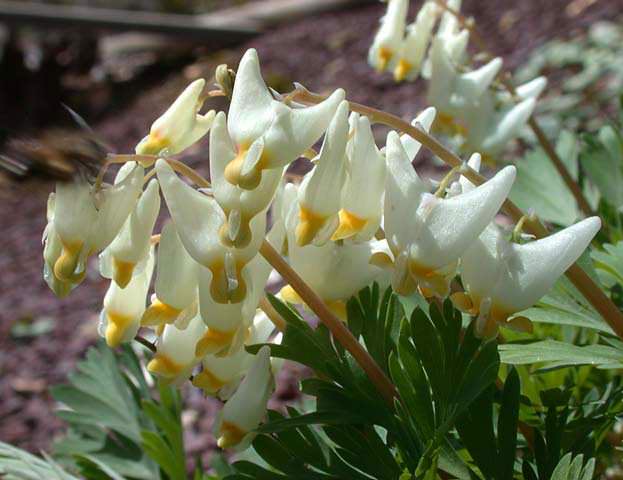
322	53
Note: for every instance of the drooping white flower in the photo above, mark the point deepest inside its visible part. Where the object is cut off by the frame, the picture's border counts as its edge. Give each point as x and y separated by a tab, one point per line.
175	295
319	194
502	278
175	357
246	408
415	45
228	323
239	205
86	221
428	240
221	375
450	34
491	129
266	133
123	307
180	126
131	245
52	250
362	195
387	43
198	220
335	272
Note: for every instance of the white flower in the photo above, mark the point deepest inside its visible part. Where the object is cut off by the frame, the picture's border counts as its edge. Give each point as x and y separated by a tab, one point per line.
223	374
198	219
87	221
502	278
239	205
435	231
490	129
175	351
244	411
362	195
131	246
52	250
180	126
123	307
335	272
416	43
319	195
228	323
387	43
266	133
176	282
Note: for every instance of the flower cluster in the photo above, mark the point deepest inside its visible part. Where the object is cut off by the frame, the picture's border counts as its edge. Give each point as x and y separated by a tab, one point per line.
469	106
362	214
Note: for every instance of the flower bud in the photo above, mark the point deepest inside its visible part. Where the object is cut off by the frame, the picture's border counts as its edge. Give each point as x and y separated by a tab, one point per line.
225	78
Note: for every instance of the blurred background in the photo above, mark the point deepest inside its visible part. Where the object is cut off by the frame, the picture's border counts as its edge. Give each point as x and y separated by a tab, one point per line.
119	64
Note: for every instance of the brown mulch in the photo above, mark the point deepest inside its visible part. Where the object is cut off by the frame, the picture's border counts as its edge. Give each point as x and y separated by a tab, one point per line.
322	53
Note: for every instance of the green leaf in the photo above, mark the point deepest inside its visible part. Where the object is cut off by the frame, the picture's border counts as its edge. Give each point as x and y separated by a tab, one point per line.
556	354
540	187
475	428
17	464
507	426
609	264
570	468
602	161
565	305
110	411
325	417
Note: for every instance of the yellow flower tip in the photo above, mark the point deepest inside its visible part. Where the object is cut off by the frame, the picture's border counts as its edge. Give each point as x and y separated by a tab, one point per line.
159	314
520	324
498	315
463	302
350	225
309	225
213	341
208	382
163	366
338	307
231	435
430	282
66	263
152	145
220	288
402	70
116	326
446	124
385	55
122	272
249	180
381	260
289	295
